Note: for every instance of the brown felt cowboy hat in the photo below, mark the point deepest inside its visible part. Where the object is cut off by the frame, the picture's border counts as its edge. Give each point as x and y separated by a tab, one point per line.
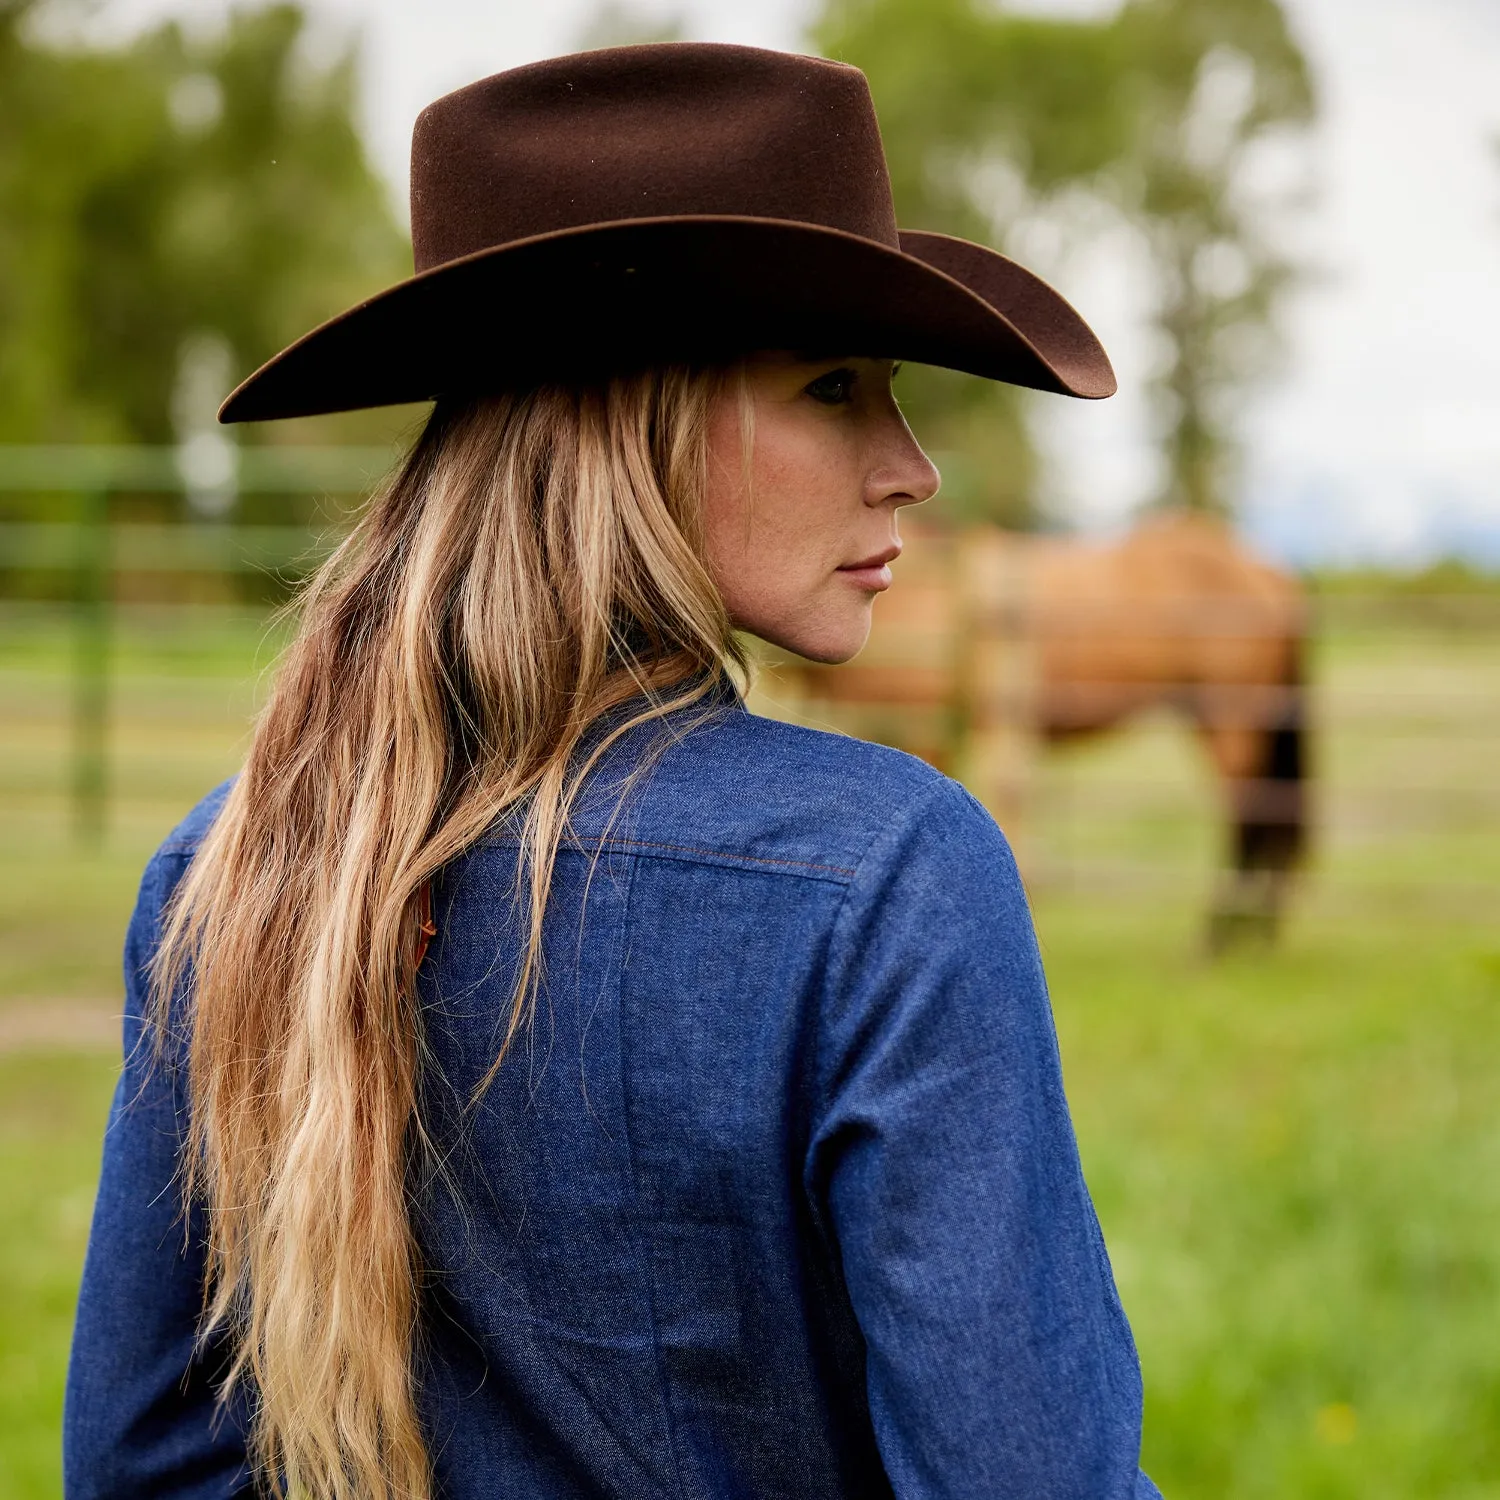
680	201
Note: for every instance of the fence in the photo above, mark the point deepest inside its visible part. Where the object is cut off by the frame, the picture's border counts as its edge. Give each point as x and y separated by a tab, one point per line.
1396	711
90	551
1405	700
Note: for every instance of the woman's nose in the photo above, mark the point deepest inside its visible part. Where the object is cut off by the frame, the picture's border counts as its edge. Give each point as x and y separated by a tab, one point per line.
907	478
926	480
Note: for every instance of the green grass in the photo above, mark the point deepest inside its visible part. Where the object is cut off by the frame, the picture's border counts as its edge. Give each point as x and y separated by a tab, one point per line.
52	1110
1296	1159
1295	1154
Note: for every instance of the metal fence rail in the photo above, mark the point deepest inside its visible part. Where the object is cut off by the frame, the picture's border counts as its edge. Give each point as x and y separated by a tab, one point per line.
164	471
90	550
92	560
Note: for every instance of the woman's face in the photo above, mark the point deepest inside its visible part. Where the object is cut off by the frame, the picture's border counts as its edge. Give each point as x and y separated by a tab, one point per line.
800	538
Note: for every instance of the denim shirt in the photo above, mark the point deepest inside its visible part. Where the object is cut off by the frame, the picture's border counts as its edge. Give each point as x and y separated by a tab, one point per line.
777	1196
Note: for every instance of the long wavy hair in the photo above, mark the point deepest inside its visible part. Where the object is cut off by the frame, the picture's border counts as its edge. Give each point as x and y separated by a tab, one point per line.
535	564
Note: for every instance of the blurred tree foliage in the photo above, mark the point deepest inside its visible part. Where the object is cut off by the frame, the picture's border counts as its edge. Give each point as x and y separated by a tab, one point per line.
182	190
1155	112
612	23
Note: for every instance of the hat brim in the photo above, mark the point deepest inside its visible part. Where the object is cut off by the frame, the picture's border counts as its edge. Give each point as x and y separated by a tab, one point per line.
646	291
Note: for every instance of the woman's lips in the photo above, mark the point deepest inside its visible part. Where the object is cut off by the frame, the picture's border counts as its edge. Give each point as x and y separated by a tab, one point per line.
872	573
873	578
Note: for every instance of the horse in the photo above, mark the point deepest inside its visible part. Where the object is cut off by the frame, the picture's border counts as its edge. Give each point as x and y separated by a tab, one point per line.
993	643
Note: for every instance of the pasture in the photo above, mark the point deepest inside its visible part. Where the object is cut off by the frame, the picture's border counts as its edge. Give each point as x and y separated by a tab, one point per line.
1295	1153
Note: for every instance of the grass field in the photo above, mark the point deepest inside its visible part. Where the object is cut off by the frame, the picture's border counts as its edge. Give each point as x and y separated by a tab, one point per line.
1295	1154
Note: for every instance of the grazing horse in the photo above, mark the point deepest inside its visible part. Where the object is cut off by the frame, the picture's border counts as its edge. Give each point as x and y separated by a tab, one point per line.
994	641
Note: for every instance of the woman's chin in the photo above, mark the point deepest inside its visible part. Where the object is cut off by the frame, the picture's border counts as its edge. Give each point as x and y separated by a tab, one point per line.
828	643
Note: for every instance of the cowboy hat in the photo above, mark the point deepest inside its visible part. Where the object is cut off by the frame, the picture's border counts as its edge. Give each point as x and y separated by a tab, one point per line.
677	201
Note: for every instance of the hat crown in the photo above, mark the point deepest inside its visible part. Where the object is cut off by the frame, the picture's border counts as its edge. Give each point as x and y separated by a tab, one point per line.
663	130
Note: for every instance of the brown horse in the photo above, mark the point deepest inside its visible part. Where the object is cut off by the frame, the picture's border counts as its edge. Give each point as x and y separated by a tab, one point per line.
991	642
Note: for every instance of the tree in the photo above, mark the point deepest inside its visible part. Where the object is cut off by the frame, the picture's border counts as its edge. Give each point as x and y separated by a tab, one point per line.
170	196
1211	81
614	24
1156	112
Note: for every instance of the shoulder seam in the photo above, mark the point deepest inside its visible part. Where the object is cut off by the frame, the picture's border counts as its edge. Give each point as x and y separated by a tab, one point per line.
892	832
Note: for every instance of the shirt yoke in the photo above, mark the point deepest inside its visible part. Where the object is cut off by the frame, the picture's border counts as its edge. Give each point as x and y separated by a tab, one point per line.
735	789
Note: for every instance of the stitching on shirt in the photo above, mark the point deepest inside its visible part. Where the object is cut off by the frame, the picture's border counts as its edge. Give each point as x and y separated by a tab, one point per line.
191	847
643	1249
890	833
627	844
754	859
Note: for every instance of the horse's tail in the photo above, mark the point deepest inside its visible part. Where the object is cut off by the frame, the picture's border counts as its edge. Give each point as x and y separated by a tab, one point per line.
1272	833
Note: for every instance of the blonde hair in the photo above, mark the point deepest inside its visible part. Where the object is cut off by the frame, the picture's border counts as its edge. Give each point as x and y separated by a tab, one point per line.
534	564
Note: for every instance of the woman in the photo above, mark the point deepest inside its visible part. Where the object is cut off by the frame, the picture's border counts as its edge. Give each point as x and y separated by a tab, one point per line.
544	1077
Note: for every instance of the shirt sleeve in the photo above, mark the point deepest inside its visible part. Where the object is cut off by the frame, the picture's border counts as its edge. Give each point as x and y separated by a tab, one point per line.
140	1416
943	1164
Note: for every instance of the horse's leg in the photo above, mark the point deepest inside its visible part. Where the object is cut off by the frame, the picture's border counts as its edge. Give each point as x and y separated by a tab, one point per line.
1263	770
1247	902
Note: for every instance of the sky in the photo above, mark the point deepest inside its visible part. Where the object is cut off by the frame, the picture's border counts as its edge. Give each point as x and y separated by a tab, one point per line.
1378	440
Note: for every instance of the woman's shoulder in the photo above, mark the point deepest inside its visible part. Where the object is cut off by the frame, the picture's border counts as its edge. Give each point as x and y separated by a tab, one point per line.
185	838
172	857
820	759
805	799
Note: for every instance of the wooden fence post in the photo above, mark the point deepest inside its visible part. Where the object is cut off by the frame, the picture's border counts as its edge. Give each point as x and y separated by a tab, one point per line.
91	604
996	674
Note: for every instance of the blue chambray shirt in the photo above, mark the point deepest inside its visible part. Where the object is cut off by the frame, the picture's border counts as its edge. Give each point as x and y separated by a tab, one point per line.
778	1196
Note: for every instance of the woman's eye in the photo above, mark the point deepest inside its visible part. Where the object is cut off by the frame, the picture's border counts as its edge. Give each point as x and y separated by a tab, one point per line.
835	388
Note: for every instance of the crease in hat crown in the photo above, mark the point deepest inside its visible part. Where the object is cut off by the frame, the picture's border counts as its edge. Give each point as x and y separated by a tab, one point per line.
660	130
